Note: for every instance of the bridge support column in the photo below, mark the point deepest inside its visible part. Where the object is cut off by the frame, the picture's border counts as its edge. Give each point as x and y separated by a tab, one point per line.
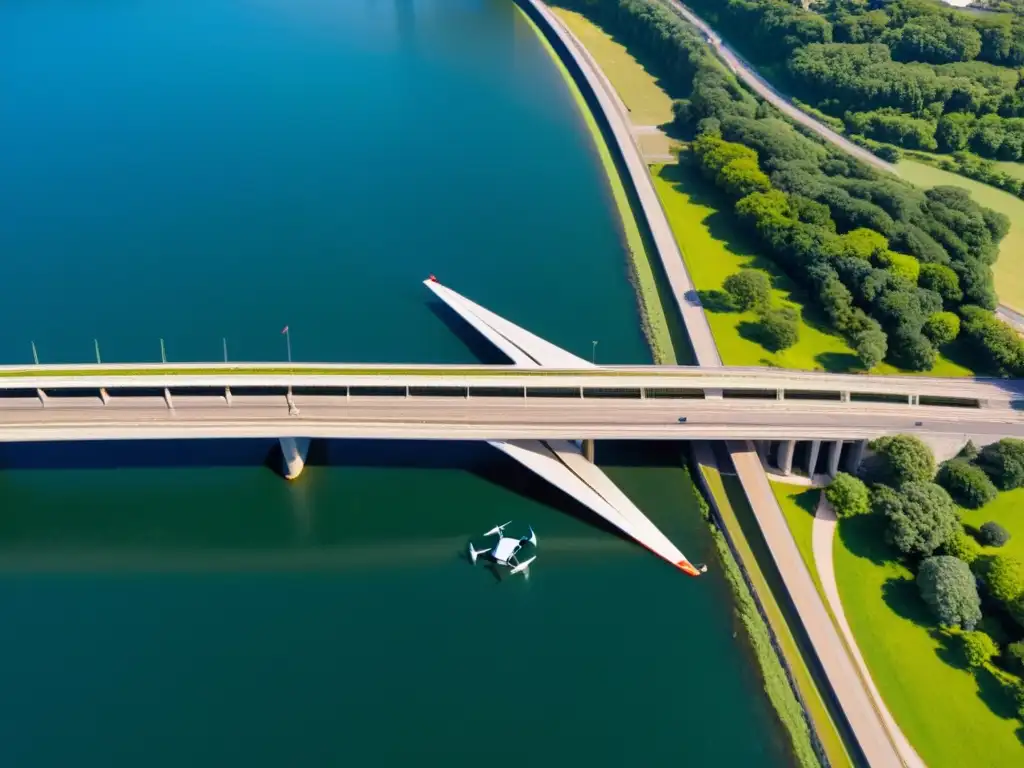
786	450
812	457
835	450
588	450
856	456
294	450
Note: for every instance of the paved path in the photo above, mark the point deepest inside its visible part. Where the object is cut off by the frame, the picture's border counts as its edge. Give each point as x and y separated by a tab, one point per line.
822	543
767	91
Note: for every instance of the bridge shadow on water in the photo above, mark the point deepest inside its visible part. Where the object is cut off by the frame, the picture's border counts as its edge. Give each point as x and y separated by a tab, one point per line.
262	513
485	352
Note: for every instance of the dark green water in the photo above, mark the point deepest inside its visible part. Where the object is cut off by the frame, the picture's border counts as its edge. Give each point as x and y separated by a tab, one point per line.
194	170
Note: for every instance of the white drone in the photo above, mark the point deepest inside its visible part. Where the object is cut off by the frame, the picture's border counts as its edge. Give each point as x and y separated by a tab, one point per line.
505	550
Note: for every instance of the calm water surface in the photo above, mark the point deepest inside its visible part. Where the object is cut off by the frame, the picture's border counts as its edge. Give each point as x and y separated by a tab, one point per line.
195	171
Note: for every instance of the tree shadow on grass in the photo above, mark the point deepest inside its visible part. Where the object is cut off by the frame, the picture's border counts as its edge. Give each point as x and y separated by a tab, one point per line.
950	650
839	362
864	536
808	500
997	698
903	599
717	301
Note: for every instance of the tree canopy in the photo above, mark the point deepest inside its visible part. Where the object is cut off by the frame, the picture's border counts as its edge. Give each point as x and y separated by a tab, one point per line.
922	517
947	586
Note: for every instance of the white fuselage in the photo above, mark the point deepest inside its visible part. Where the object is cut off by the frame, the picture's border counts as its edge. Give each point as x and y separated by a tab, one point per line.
505	549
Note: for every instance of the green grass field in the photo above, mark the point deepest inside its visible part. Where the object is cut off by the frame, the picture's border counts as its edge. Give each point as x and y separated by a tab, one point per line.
1008	511
639	90
798	504
714	247
951	716
1013	169
1009	269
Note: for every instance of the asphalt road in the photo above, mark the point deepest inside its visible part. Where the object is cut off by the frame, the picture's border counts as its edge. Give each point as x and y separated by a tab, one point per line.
77	418
765	90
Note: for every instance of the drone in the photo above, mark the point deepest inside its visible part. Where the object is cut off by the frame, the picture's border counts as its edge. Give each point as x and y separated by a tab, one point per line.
505	550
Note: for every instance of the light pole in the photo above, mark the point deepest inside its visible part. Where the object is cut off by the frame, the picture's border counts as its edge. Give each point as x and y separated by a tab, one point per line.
163	352
593	352
288	342
96	344
35	355
224	341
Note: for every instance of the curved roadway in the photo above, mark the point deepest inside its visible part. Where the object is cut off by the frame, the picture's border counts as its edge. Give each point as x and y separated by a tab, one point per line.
738	65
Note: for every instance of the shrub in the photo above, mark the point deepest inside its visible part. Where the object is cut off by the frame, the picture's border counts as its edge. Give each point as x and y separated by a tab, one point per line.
899	264
904	459
751	289
1004	462
979	648
848	495
967	484
1004	579
1014	657
942	280
942	328
969	451
921	517
993	534
780	328
963	547
947	586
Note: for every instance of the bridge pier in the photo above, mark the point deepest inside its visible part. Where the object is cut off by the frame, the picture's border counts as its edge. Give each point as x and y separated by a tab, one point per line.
835	450
588	450
294	451
785	461
856	456
812	457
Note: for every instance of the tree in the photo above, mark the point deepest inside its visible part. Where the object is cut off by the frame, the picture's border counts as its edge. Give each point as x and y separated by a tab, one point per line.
780	328
992	534
979	648
968	484
848	495
862	243
900	264
922	517
871	345
942	328
947	586
942	280
1004	578
751	289
1015	657
996	343
742	177
963	547
1004	462
904	458
910	349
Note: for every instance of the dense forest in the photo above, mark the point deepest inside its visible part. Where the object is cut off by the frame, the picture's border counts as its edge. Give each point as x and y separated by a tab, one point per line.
898	271
913	73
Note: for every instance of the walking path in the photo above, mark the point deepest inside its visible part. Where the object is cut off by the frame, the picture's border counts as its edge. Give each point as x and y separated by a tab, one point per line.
822	541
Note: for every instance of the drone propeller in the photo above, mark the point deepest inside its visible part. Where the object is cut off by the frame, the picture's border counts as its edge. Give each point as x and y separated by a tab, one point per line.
497	529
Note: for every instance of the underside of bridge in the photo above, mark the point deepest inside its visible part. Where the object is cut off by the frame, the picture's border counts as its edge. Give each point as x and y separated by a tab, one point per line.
560	462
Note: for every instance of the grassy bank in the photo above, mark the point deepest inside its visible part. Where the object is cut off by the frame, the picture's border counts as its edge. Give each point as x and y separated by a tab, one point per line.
798	504
969	721
1005	510
739	521
649	299
1009	268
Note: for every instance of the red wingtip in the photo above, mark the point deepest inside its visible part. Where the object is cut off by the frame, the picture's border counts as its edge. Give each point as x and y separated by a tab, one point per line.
686	567
432	279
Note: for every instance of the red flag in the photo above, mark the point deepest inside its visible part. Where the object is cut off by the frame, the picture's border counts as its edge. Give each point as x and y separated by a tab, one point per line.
285	329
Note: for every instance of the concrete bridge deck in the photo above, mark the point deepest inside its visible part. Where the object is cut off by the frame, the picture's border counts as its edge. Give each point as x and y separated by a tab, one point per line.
482	418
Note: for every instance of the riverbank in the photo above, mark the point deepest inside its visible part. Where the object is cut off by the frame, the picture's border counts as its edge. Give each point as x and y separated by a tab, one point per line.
778	683
641	266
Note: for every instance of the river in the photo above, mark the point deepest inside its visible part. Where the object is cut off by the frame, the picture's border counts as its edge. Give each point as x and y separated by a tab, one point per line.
207	172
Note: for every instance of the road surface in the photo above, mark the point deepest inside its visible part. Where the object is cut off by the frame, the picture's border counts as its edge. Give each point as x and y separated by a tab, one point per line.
767	91
211	416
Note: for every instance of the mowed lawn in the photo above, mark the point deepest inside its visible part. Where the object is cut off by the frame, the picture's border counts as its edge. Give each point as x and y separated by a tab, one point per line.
1009	268
639	90
714	247
952	717
798	504
1008	510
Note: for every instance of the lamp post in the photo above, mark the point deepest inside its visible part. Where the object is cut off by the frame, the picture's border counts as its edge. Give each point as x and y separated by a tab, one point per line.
288	342
593	352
